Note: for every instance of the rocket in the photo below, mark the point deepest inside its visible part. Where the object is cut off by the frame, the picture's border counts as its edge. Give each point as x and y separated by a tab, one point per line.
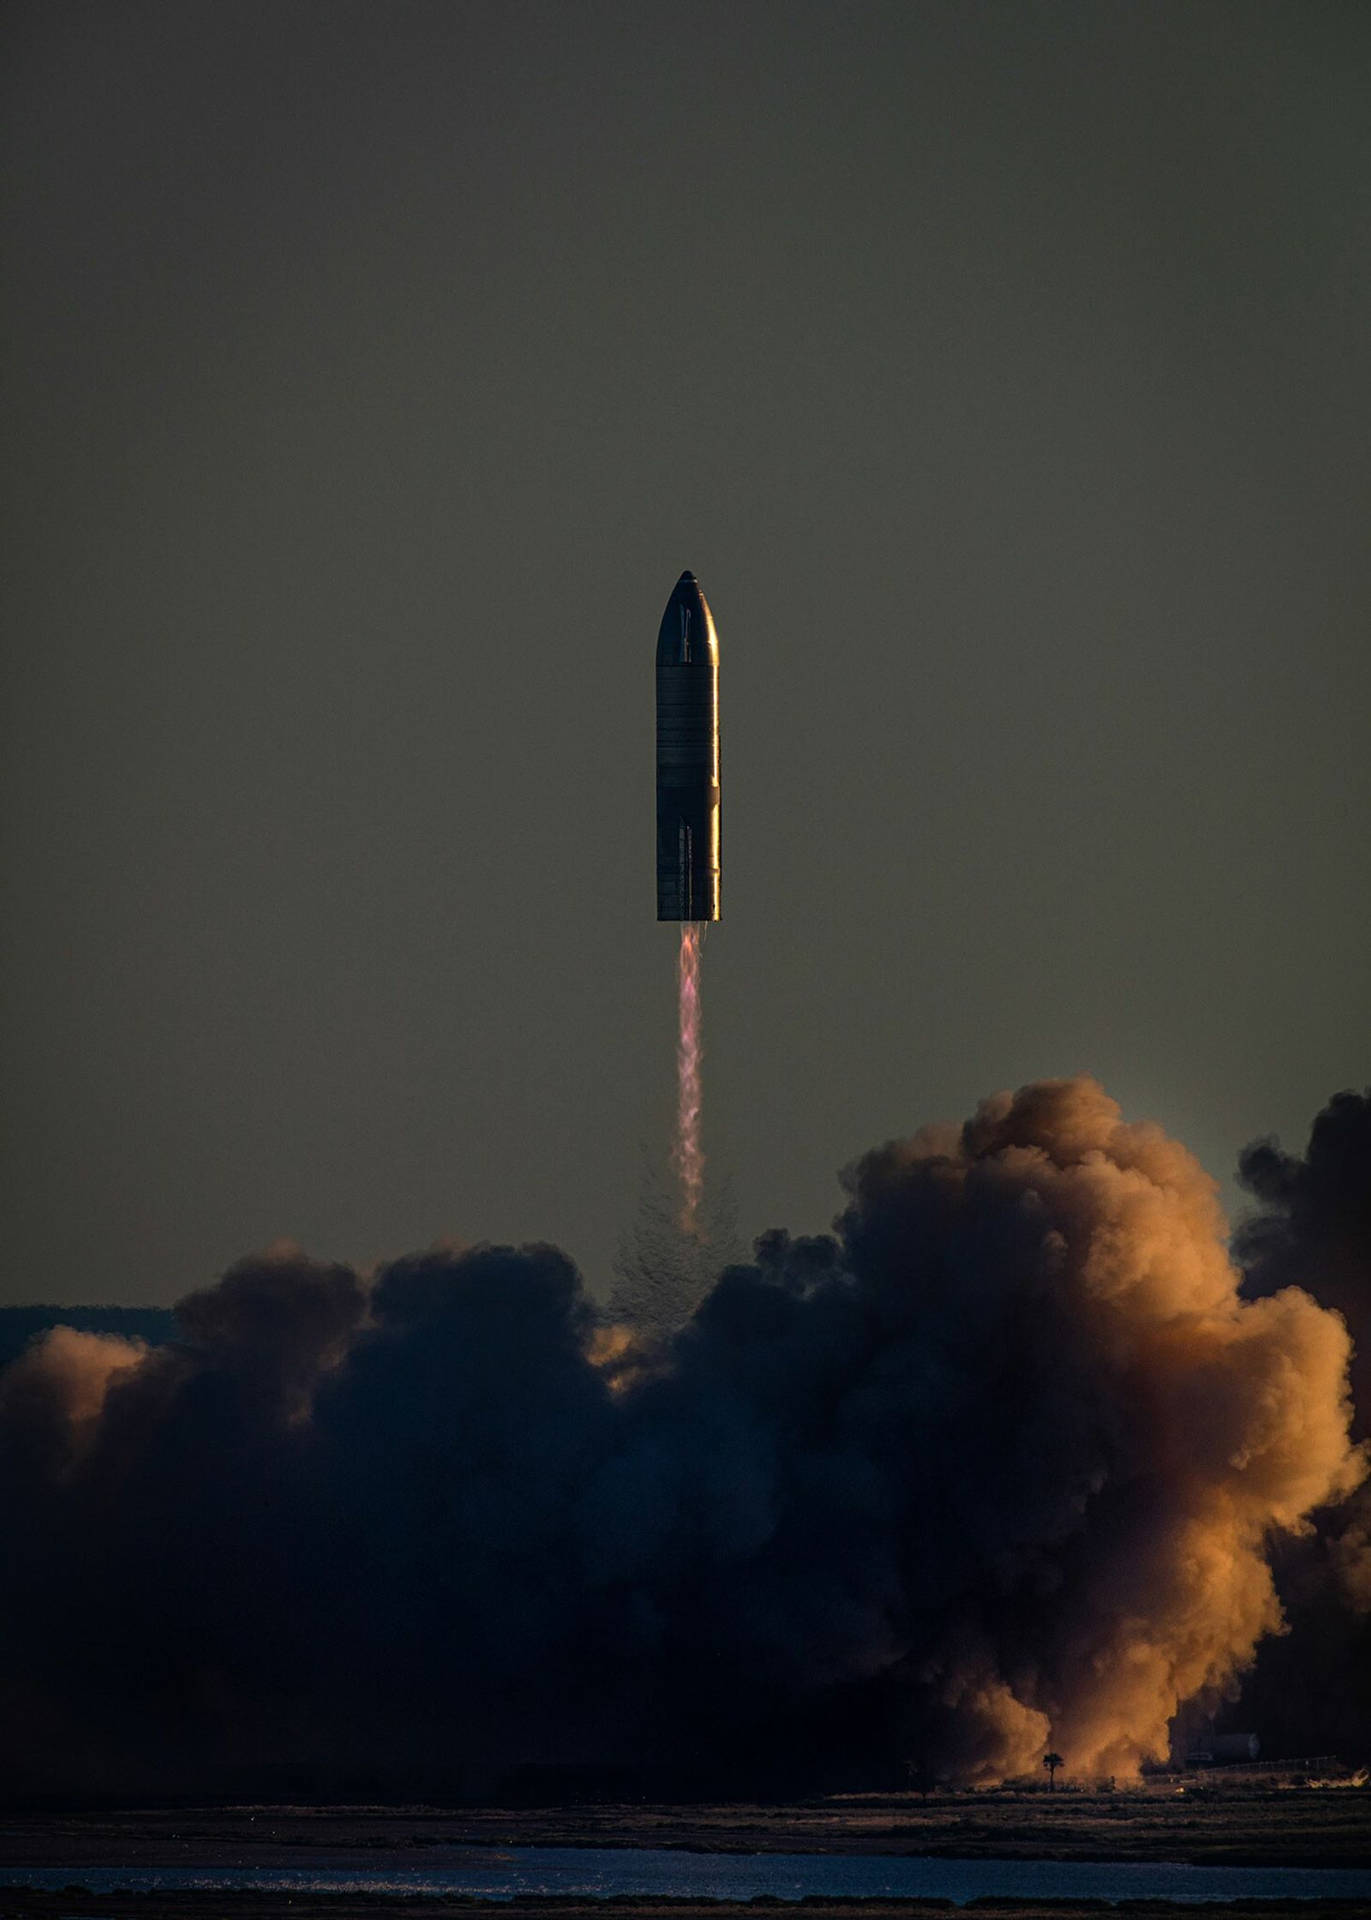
689	838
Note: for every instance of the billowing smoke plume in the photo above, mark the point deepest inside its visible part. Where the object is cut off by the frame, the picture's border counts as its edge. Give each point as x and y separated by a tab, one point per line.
1314	1227
990	1469
1312	1688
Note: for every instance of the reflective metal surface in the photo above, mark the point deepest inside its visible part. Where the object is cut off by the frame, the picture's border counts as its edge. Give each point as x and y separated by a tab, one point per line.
689	839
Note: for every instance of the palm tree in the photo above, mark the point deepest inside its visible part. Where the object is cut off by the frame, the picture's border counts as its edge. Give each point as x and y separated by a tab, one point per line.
1052	1761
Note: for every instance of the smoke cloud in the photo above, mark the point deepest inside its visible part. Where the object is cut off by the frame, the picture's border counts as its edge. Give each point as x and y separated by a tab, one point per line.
991	1468
1313	1229
1312	1688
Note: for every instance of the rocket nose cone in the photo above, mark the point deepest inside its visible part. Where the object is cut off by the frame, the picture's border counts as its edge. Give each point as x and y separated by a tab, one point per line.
687	630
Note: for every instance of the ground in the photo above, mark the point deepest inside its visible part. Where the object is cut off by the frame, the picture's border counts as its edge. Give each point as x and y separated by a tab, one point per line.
1255	1824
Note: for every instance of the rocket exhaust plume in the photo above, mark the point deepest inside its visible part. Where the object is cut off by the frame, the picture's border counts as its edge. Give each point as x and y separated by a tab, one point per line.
687	1154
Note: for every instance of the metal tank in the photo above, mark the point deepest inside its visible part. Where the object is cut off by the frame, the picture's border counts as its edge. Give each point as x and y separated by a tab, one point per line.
689	839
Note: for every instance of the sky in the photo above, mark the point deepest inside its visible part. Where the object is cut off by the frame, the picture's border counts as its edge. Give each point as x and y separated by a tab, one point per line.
373	371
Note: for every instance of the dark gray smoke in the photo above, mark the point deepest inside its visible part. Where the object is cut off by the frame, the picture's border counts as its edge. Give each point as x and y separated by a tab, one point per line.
992	1468
1312	1688
1313	1229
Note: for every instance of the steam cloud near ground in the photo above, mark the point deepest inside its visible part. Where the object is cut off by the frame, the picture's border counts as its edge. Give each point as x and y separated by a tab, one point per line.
994	1468
1312	1686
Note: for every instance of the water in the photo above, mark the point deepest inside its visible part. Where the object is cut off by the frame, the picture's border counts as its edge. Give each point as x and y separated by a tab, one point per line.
601	1872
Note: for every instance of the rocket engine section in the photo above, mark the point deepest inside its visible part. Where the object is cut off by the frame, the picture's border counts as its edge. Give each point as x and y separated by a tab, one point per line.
689	835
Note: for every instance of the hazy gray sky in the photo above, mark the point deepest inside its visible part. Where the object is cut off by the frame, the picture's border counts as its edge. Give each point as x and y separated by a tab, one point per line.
373	370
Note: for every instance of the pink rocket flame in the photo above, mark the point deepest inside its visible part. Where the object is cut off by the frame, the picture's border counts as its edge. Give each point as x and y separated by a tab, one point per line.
689	1160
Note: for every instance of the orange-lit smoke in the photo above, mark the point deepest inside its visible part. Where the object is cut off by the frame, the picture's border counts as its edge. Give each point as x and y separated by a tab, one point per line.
56	1395
1136	1434
991	1471
687	1156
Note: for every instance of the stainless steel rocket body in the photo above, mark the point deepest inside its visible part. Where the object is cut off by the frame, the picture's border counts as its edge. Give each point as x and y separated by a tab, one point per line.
689	837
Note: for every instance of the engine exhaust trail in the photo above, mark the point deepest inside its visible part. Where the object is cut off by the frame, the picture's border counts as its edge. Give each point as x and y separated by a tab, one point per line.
687	1155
